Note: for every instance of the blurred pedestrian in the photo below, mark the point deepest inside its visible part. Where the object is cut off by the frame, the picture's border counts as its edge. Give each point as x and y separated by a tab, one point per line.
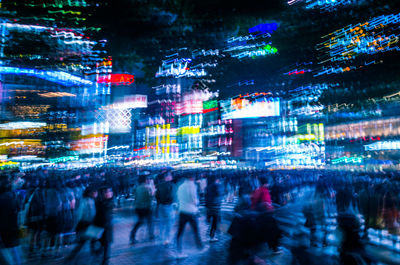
213	204
36	217
267	225
188	210
352	250
54	216
9	227
261	198
85	216
103	219
143	208
315	217
165	195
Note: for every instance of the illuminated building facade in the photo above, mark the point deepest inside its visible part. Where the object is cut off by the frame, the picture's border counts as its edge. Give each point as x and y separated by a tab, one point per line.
50	75
365	143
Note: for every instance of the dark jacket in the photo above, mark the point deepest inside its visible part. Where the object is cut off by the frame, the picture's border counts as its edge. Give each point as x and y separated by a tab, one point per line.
143	197
9	228
104	209
36	210
214	197
165	193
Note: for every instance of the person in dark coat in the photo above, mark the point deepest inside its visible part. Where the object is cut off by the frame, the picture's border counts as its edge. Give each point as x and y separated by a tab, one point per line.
9	228
352	250
54	216
36	217
165	195
103	219
143	208
213	204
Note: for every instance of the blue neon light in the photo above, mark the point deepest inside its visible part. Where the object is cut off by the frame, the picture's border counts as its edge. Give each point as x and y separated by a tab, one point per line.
265	28
58	77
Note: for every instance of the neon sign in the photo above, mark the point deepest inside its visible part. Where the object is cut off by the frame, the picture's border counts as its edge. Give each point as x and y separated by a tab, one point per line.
179	69
22	125
117	79
265	28
243	108
347	160
211	104
247	38
298	72
130	102
266	50
246	47
384	145
374	36
197	53
325	5
62	78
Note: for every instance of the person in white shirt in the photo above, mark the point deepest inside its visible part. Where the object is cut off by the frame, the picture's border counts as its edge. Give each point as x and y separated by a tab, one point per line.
188	210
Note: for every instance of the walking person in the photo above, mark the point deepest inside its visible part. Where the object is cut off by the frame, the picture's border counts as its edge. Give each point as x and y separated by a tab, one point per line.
165	195
143	208
10	252
314	213
188	210
213	204
36	218
268	227
261	198
103	219
85	216
54	218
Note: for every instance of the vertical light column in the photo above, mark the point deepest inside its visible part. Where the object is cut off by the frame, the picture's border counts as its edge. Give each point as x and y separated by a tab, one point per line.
316	131
321	132
157	137
163	143
168	138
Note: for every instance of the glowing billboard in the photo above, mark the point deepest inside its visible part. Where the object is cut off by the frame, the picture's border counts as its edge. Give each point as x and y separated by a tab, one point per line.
241	108
117	79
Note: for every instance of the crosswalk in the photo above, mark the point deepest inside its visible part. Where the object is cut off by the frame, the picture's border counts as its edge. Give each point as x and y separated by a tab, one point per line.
227	206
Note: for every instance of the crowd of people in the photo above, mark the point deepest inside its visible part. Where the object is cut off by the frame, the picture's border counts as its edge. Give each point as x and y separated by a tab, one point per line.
50	208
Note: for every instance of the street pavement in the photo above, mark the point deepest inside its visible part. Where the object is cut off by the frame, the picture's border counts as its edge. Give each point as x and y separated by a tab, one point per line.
154	252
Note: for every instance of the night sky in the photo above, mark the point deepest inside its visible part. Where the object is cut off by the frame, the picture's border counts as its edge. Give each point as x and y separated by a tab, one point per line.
141	33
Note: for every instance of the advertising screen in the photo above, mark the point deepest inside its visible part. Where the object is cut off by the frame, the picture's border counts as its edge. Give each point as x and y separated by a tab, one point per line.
242	108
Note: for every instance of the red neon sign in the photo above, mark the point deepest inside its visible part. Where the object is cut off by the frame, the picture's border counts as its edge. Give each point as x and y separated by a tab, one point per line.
295	72
117	79
209	110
